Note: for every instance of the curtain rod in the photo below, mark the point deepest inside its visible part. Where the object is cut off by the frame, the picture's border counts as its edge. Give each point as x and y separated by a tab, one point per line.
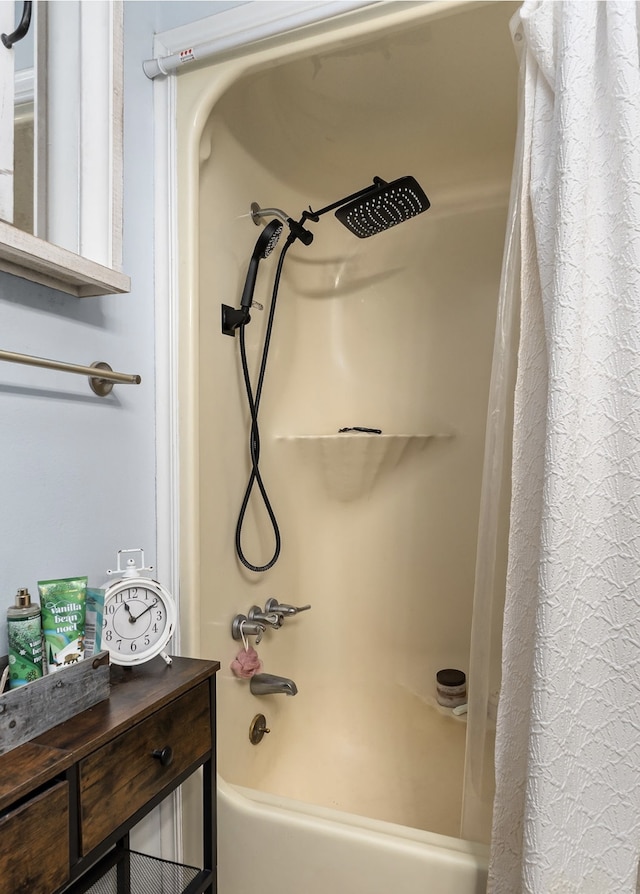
101	376
285	22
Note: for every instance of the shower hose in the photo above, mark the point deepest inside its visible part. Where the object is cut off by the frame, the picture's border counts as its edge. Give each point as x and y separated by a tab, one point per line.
253	400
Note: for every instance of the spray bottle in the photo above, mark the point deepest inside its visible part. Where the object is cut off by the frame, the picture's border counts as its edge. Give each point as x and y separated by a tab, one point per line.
24	632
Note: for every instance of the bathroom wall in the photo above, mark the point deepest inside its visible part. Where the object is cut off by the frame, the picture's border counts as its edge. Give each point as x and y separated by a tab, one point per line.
77	479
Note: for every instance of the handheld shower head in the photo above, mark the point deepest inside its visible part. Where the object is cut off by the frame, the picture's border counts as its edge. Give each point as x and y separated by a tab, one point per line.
267	241
383	206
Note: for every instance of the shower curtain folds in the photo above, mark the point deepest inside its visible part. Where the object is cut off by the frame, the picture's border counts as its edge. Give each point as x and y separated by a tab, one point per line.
567	805
491	555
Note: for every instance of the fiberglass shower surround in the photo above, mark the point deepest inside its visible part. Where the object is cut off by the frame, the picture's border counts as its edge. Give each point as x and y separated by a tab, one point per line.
365	213
396	333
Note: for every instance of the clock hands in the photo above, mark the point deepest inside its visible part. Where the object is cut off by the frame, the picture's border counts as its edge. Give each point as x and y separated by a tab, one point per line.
147	609
133	618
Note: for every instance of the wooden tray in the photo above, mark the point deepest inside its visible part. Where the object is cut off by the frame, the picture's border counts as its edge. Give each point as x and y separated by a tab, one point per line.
30	710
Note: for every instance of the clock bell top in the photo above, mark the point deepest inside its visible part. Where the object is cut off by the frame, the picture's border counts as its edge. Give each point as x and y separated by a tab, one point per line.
131	569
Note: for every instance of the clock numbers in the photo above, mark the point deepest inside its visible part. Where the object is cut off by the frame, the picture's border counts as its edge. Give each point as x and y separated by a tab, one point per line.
134	619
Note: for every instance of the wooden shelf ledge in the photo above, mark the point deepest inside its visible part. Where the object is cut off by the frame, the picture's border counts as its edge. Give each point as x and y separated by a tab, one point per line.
28	257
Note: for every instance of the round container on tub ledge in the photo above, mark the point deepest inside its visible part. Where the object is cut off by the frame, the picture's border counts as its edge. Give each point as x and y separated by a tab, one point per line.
451	687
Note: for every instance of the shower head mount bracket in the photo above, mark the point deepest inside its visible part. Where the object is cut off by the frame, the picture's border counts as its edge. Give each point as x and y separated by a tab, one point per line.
233	319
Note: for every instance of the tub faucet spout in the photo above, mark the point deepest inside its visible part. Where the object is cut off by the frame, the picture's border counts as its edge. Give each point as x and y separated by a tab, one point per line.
269	684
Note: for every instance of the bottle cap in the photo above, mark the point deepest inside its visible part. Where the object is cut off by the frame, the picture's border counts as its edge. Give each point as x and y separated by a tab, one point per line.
23	598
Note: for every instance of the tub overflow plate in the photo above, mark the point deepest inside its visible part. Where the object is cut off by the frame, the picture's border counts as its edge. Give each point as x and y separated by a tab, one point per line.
258	729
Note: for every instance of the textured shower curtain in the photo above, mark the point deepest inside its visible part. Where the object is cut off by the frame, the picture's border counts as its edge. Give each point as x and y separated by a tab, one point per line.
567	805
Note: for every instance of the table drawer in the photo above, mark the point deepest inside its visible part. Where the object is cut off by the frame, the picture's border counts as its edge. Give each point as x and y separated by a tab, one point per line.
35	843
119	779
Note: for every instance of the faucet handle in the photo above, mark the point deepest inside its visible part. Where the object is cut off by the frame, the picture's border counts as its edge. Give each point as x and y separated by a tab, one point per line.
282	609
249	627
273	619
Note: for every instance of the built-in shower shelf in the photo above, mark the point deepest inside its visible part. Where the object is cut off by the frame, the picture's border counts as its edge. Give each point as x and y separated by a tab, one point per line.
352	461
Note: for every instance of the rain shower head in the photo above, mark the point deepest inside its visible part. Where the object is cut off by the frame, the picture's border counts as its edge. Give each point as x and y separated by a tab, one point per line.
382	206
371	210
267	241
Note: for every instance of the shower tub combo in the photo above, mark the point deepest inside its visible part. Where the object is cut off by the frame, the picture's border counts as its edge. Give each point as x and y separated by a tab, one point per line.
359	784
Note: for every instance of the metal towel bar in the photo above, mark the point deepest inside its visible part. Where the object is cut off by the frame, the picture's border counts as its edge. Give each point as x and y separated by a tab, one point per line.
101	376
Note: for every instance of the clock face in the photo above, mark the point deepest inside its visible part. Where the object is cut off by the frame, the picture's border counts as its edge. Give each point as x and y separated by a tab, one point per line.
137	622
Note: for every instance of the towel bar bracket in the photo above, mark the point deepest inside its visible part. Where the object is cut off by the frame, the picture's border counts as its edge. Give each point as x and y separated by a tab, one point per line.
100	385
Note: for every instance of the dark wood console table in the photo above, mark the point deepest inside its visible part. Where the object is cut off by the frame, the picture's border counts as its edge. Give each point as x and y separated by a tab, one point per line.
69	798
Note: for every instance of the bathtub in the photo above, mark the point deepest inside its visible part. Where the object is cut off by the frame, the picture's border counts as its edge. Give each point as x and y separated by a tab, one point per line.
359	785
300	847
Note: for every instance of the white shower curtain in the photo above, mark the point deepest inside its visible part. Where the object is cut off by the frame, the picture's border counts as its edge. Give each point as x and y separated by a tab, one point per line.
567	805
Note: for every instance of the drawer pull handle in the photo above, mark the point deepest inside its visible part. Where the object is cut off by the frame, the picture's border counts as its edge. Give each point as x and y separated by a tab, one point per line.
164	755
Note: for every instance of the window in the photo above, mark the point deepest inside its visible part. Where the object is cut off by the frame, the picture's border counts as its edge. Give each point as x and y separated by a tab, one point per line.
61	155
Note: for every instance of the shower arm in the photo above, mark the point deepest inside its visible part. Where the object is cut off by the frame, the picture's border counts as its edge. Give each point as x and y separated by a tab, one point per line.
297	230
315	215
296	227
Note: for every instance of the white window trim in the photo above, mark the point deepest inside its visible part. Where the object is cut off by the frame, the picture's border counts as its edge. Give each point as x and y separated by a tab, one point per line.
6	119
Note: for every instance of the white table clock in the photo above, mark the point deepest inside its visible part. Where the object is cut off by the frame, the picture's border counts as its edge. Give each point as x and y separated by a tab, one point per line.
139	614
